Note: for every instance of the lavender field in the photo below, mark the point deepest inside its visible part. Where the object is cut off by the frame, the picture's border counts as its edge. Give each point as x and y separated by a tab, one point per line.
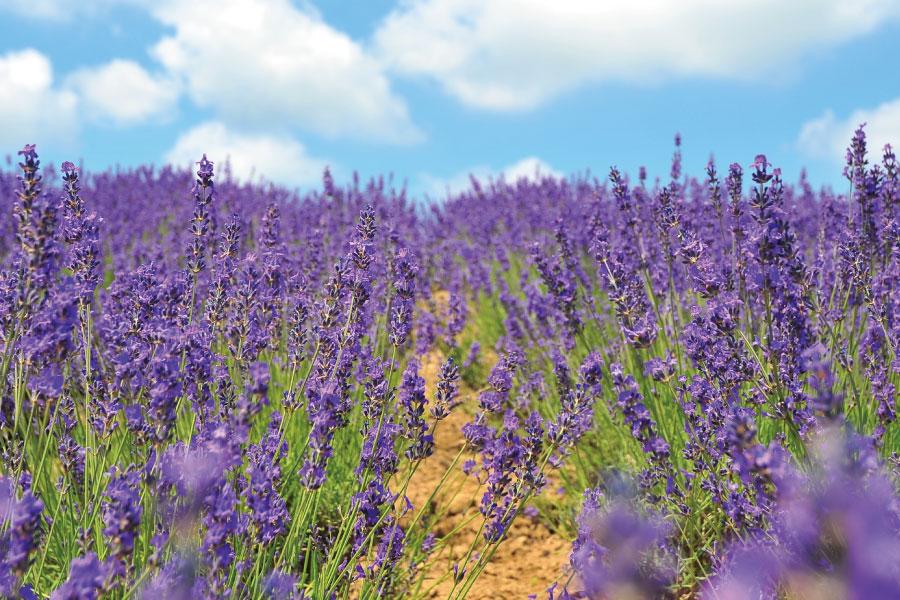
217	389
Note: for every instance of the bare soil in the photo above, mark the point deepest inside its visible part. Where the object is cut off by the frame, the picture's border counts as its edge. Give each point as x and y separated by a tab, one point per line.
531	557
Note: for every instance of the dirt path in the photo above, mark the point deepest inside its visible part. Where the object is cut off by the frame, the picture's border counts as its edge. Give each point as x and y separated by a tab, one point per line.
527	562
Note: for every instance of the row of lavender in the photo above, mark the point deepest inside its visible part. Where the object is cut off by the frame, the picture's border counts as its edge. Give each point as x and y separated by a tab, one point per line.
216	390
748	348
222	394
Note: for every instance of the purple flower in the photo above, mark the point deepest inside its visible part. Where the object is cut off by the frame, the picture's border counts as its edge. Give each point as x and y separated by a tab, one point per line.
388	553
477	432
322	408
222	523
501	382
81	232
561	284
834	530
87	579
576	412
22	521
204	192
176	580
620	552
403	271
445	394
627	294
259	379
502	460
643	427
472	355
122	515
268	510
412	399
530	471
760	169
457	319
659	369
328	183
280	586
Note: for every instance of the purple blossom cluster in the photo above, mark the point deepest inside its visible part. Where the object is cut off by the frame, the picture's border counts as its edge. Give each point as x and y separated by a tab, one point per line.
216	389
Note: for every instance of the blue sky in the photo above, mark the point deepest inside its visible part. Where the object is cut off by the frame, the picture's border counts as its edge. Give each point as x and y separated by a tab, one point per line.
432	90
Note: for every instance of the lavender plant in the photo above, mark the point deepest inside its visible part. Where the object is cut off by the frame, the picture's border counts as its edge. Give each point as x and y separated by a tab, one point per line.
217	389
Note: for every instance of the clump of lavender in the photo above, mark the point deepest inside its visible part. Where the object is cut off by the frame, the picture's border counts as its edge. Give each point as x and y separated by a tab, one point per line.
447	390
71	453
298	333
620	552
626	292
634	247
166	388
122	514
221	291
404	282
35	230
501	382
280	586
412	399
780	277
472	355
576	412
222	523
500	460
562	287
660	369
764	471
746	325
834	529
379	428
21	522
246	335
88	579
734	184
203	192
271	296
322	406
268	510
459	312
361	256
643	427
865	183
81	232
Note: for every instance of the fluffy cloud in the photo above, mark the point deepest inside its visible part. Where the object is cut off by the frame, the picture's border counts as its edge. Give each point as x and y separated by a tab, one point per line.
827	137
528	168
516	54
265	63
32	108
123	92
36	108
256	65
251	156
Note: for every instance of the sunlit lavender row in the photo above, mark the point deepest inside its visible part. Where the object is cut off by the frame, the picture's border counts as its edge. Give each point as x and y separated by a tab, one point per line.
219	389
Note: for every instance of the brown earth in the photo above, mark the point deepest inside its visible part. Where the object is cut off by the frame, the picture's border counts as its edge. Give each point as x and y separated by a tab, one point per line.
531	557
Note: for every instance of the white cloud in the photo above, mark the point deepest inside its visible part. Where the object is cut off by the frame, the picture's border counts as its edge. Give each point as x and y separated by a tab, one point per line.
252	156
122	91
827	137
32	108
265	63
530	168
517	54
